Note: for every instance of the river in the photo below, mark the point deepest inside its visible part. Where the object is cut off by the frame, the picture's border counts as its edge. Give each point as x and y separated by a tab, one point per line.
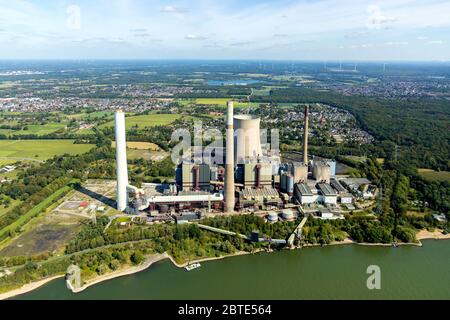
332	272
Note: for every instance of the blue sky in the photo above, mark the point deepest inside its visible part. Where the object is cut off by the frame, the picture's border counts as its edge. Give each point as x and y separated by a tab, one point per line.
226	29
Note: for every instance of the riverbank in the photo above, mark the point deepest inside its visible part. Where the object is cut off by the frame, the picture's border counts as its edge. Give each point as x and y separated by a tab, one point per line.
28	287
239	253
421	235
150	260
124	272
436	234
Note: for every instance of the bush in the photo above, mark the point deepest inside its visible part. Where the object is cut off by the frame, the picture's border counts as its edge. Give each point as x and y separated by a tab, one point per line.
137	257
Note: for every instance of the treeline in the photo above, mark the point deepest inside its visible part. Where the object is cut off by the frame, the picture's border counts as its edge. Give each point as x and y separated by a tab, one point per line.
37	183
33	271
183	242
27	208
57	135
245	224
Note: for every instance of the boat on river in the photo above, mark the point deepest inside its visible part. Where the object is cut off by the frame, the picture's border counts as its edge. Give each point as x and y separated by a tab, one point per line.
192	266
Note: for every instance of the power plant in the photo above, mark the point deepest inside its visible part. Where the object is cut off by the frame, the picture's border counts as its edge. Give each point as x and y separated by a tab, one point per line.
249	181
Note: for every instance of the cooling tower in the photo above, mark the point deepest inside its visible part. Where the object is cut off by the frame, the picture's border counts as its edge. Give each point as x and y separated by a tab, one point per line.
305	136
229	164
121	160
248	139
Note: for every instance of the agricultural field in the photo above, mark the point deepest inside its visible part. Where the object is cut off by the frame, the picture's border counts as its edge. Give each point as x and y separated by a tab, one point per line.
223	102
36	129
5	162
144	150
140	145
432	175
92	115
149	120
39	149
133	154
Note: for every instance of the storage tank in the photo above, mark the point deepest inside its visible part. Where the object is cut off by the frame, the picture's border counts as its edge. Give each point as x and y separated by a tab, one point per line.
283	185
290	185
272	217
288	215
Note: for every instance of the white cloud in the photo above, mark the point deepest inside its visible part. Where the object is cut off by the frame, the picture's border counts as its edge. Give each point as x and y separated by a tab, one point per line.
435	42
194	37
173	9
376	18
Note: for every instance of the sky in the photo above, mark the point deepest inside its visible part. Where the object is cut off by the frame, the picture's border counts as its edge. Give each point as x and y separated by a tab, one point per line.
384	30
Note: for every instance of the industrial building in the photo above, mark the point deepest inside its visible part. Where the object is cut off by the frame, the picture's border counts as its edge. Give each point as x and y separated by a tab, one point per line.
321	171
257	175
246	181
303	194
193	177
327	194
267	196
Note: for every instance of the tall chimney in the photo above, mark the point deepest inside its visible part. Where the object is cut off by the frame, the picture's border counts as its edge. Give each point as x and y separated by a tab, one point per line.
121	160
229	164
305	136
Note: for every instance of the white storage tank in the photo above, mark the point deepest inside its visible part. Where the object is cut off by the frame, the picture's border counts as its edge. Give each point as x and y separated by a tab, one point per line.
272	217
288	215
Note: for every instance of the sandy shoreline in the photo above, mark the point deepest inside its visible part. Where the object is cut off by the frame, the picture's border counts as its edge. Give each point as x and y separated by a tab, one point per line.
125	272
437	234
421	235
27	288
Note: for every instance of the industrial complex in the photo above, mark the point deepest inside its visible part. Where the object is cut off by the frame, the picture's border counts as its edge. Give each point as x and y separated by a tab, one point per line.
247	182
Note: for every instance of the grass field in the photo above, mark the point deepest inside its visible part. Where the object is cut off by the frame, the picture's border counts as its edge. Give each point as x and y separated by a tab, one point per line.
5	162
150	120
432	175
140	145
36	210
39	149
13	203
223	102
37	129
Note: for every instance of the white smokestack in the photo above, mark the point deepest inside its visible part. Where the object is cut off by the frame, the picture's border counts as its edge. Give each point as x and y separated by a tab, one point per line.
229	164
305	136
121	160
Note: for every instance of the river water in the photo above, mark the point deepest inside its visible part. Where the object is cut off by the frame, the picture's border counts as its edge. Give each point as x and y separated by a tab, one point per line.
332	272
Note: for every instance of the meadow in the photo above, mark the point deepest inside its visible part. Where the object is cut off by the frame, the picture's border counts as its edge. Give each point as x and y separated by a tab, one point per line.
149	120
39	149
223	102
36	129
432	175
140	145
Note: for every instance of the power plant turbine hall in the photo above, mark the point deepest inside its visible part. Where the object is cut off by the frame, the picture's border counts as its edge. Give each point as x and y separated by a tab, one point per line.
121	160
